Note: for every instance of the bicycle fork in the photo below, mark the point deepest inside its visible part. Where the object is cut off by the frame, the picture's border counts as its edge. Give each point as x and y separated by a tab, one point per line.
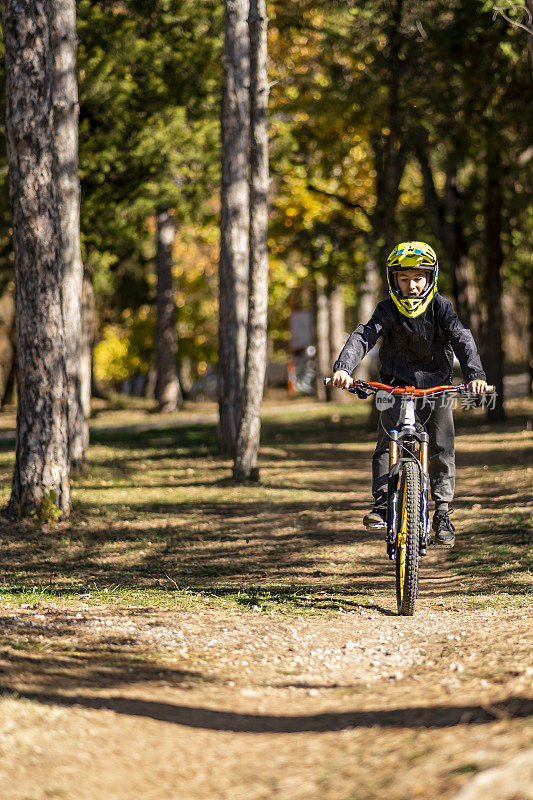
392	495
424	491
395	465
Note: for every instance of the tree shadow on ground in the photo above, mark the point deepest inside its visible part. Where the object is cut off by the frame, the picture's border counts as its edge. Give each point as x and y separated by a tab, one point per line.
224	546
498	555
53	652
431	717
241	537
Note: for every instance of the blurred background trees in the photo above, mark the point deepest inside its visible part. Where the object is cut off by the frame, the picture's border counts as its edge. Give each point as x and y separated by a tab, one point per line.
388	120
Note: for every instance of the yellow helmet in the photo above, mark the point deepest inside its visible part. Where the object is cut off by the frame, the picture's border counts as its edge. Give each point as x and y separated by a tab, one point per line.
412	255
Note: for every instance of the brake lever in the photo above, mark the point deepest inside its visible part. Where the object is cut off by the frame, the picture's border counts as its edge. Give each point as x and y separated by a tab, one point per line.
363	394
474	398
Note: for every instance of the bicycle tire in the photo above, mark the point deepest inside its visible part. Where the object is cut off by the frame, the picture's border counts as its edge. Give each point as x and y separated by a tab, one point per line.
408	539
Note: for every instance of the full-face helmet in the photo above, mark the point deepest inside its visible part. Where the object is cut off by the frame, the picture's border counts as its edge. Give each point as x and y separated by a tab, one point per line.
412	255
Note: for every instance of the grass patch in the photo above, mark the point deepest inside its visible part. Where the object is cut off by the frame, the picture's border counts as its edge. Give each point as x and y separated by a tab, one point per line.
498	552
158	522
281	600
470	768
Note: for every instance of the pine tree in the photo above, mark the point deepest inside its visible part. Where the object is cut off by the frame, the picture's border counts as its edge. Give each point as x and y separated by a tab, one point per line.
247	448
41	480
234	222
167	390
65	101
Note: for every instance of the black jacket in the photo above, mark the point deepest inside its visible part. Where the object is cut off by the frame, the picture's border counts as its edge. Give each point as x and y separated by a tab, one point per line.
414	352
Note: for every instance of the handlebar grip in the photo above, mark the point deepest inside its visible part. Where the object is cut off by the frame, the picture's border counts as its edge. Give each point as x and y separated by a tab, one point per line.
489	390
329	382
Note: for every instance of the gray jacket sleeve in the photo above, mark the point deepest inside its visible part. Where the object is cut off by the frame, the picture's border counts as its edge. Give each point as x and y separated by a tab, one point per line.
362	340
462	341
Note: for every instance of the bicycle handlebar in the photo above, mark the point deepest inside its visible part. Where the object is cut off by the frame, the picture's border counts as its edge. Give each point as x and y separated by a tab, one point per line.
375	386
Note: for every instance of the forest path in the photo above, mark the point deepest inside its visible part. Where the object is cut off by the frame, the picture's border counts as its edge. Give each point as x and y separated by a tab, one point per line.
204	641
234	705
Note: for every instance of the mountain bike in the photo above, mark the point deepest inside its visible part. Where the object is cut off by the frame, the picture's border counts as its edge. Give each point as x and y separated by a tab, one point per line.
408	532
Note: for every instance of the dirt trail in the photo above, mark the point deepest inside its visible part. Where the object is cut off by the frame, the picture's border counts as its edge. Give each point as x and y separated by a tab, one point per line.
330	695
357	704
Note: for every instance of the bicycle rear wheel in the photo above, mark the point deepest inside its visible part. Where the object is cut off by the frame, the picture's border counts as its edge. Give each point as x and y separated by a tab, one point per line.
408	539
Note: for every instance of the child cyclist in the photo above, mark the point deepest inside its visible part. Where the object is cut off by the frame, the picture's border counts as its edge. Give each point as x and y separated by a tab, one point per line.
419	333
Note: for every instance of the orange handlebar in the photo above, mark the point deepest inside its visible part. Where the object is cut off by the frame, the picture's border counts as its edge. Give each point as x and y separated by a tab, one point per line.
408	389
411	390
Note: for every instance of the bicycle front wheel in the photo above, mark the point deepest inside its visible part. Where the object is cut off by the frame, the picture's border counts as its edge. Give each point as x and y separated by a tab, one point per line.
408	539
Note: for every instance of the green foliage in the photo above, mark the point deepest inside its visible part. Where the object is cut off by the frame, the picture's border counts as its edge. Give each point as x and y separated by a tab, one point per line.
47	510
123	351
149	88
476	92
463	77
148	84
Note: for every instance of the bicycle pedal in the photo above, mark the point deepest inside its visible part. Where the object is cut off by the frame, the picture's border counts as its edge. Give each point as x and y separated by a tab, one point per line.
376	526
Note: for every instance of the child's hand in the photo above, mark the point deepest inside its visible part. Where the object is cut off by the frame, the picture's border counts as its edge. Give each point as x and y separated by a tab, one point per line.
477	386
341	379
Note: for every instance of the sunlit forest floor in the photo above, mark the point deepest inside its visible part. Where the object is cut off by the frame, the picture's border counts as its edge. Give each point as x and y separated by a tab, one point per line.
183	637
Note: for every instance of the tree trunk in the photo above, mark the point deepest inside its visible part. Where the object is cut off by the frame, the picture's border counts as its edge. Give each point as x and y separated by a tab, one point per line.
368	299
245	466
390	159
151	379
337	333
42	476
394	155
234	222
7	345
493	350
530	351
66	110
529	4
389	150
323	364
10	391
464	285
185	374
88	336
445	216
168	390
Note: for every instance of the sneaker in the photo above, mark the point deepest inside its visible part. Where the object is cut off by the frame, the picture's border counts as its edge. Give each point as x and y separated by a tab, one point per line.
376	519
444	530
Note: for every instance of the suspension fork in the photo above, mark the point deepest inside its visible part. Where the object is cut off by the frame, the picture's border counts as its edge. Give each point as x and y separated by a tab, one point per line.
392	495
424	487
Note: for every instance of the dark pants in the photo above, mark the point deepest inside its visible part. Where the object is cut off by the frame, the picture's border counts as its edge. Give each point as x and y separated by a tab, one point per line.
439	425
